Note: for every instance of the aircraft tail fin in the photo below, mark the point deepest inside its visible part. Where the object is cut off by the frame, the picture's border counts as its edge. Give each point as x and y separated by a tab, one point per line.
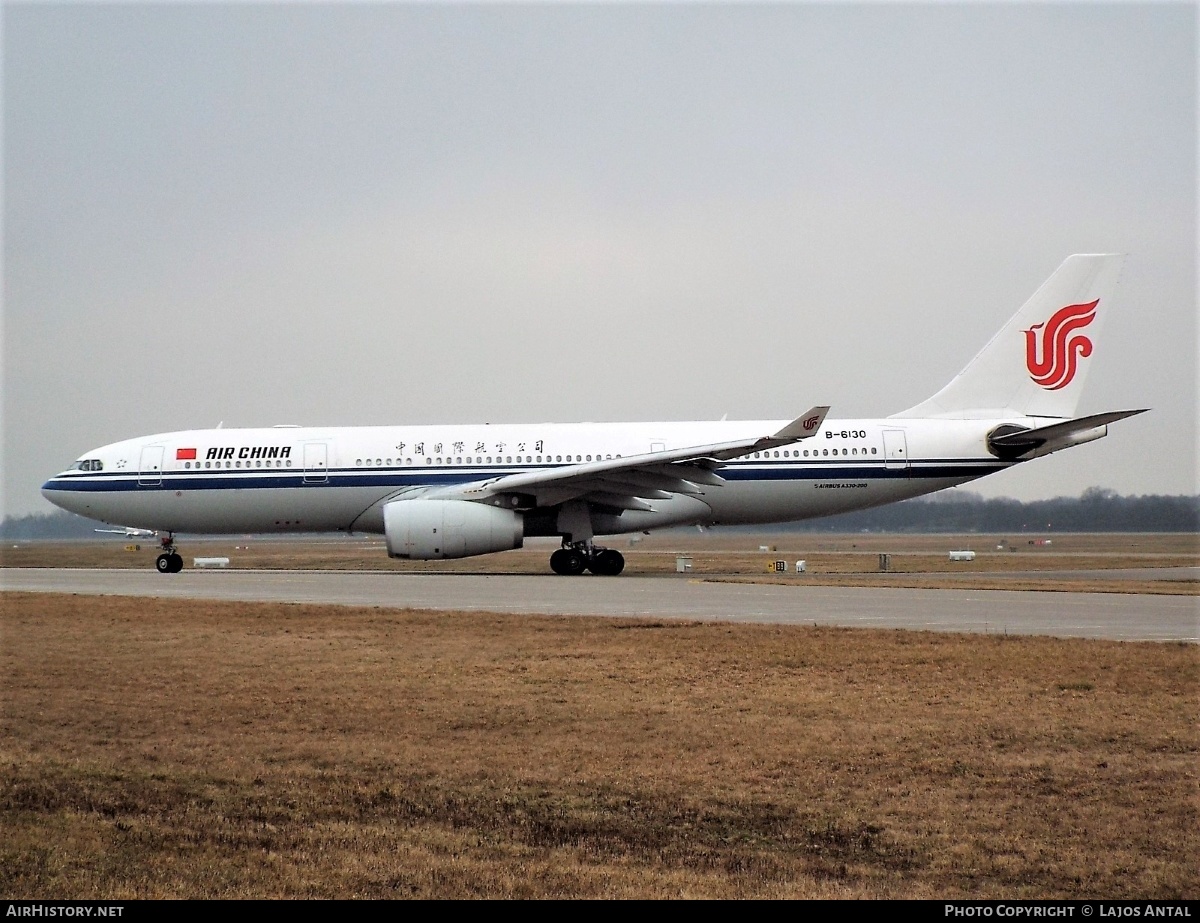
1037	364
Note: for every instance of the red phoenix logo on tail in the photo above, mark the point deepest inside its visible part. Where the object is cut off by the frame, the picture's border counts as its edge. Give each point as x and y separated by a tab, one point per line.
812	421
1062	346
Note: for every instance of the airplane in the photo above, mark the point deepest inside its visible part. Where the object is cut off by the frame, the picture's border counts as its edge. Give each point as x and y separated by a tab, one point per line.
457	490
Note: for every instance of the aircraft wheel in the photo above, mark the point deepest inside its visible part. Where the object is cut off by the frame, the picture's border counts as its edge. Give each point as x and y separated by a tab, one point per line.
176	563
164	564
607	563
568	562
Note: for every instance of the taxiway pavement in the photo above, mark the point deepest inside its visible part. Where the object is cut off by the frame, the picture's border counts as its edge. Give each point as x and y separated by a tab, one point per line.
1118	616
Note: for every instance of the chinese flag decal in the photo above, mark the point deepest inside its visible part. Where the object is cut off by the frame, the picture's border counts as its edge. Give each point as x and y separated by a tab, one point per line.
185	455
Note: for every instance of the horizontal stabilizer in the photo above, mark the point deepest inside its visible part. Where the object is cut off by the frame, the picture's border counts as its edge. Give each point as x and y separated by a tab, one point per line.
1014	442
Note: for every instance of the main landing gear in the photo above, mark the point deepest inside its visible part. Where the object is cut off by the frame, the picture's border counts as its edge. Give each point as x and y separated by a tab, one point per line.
577	557
170	561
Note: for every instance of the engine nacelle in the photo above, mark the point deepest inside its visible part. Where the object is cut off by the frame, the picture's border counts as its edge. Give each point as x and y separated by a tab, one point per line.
426	530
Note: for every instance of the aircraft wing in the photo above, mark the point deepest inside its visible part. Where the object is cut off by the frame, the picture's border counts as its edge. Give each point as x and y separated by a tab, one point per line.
632	481
129	532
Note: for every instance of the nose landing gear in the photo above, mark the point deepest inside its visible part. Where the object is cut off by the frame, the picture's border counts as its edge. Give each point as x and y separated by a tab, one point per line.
170	561
576	557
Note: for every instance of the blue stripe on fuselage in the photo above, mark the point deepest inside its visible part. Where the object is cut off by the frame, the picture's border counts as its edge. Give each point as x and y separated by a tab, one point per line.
396	478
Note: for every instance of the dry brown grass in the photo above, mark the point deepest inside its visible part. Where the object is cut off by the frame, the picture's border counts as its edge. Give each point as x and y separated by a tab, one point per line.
160	748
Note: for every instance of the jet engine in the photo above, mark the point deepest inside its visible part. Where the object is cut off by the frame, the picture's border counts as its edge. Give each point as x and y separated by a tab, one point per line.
427	530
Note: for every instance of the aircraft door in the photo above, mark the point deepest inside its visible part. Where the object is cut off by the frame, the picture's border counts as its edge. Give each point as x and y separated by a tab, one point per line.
895	449
316	463
150	466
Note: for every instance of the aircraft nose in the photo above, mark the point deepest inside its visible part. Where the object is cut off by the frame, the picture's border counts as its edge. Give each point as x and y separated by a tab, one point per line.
52	491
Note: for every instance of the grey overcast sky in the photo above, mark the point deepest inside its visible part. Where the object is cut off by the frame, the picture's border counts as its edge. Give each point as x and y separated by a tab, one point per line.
402	213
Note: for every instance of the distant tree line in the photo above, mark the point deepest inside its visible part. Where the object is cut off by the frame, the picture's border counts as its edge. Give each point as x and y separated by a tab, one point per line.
59	525
1096	510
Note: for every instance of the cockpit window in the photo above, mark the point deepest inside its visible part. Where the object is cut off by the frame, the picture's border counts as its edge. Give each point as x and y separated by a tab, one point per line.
88	464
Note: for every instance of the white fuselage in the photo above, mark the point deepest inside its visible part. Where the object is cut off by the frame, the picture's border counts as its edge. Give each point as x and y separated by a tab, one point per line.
293	479
439	492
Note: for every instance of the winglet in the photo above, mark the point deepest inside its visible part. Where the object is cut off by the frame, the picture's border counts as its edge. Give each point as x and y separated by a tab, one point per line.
804	426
